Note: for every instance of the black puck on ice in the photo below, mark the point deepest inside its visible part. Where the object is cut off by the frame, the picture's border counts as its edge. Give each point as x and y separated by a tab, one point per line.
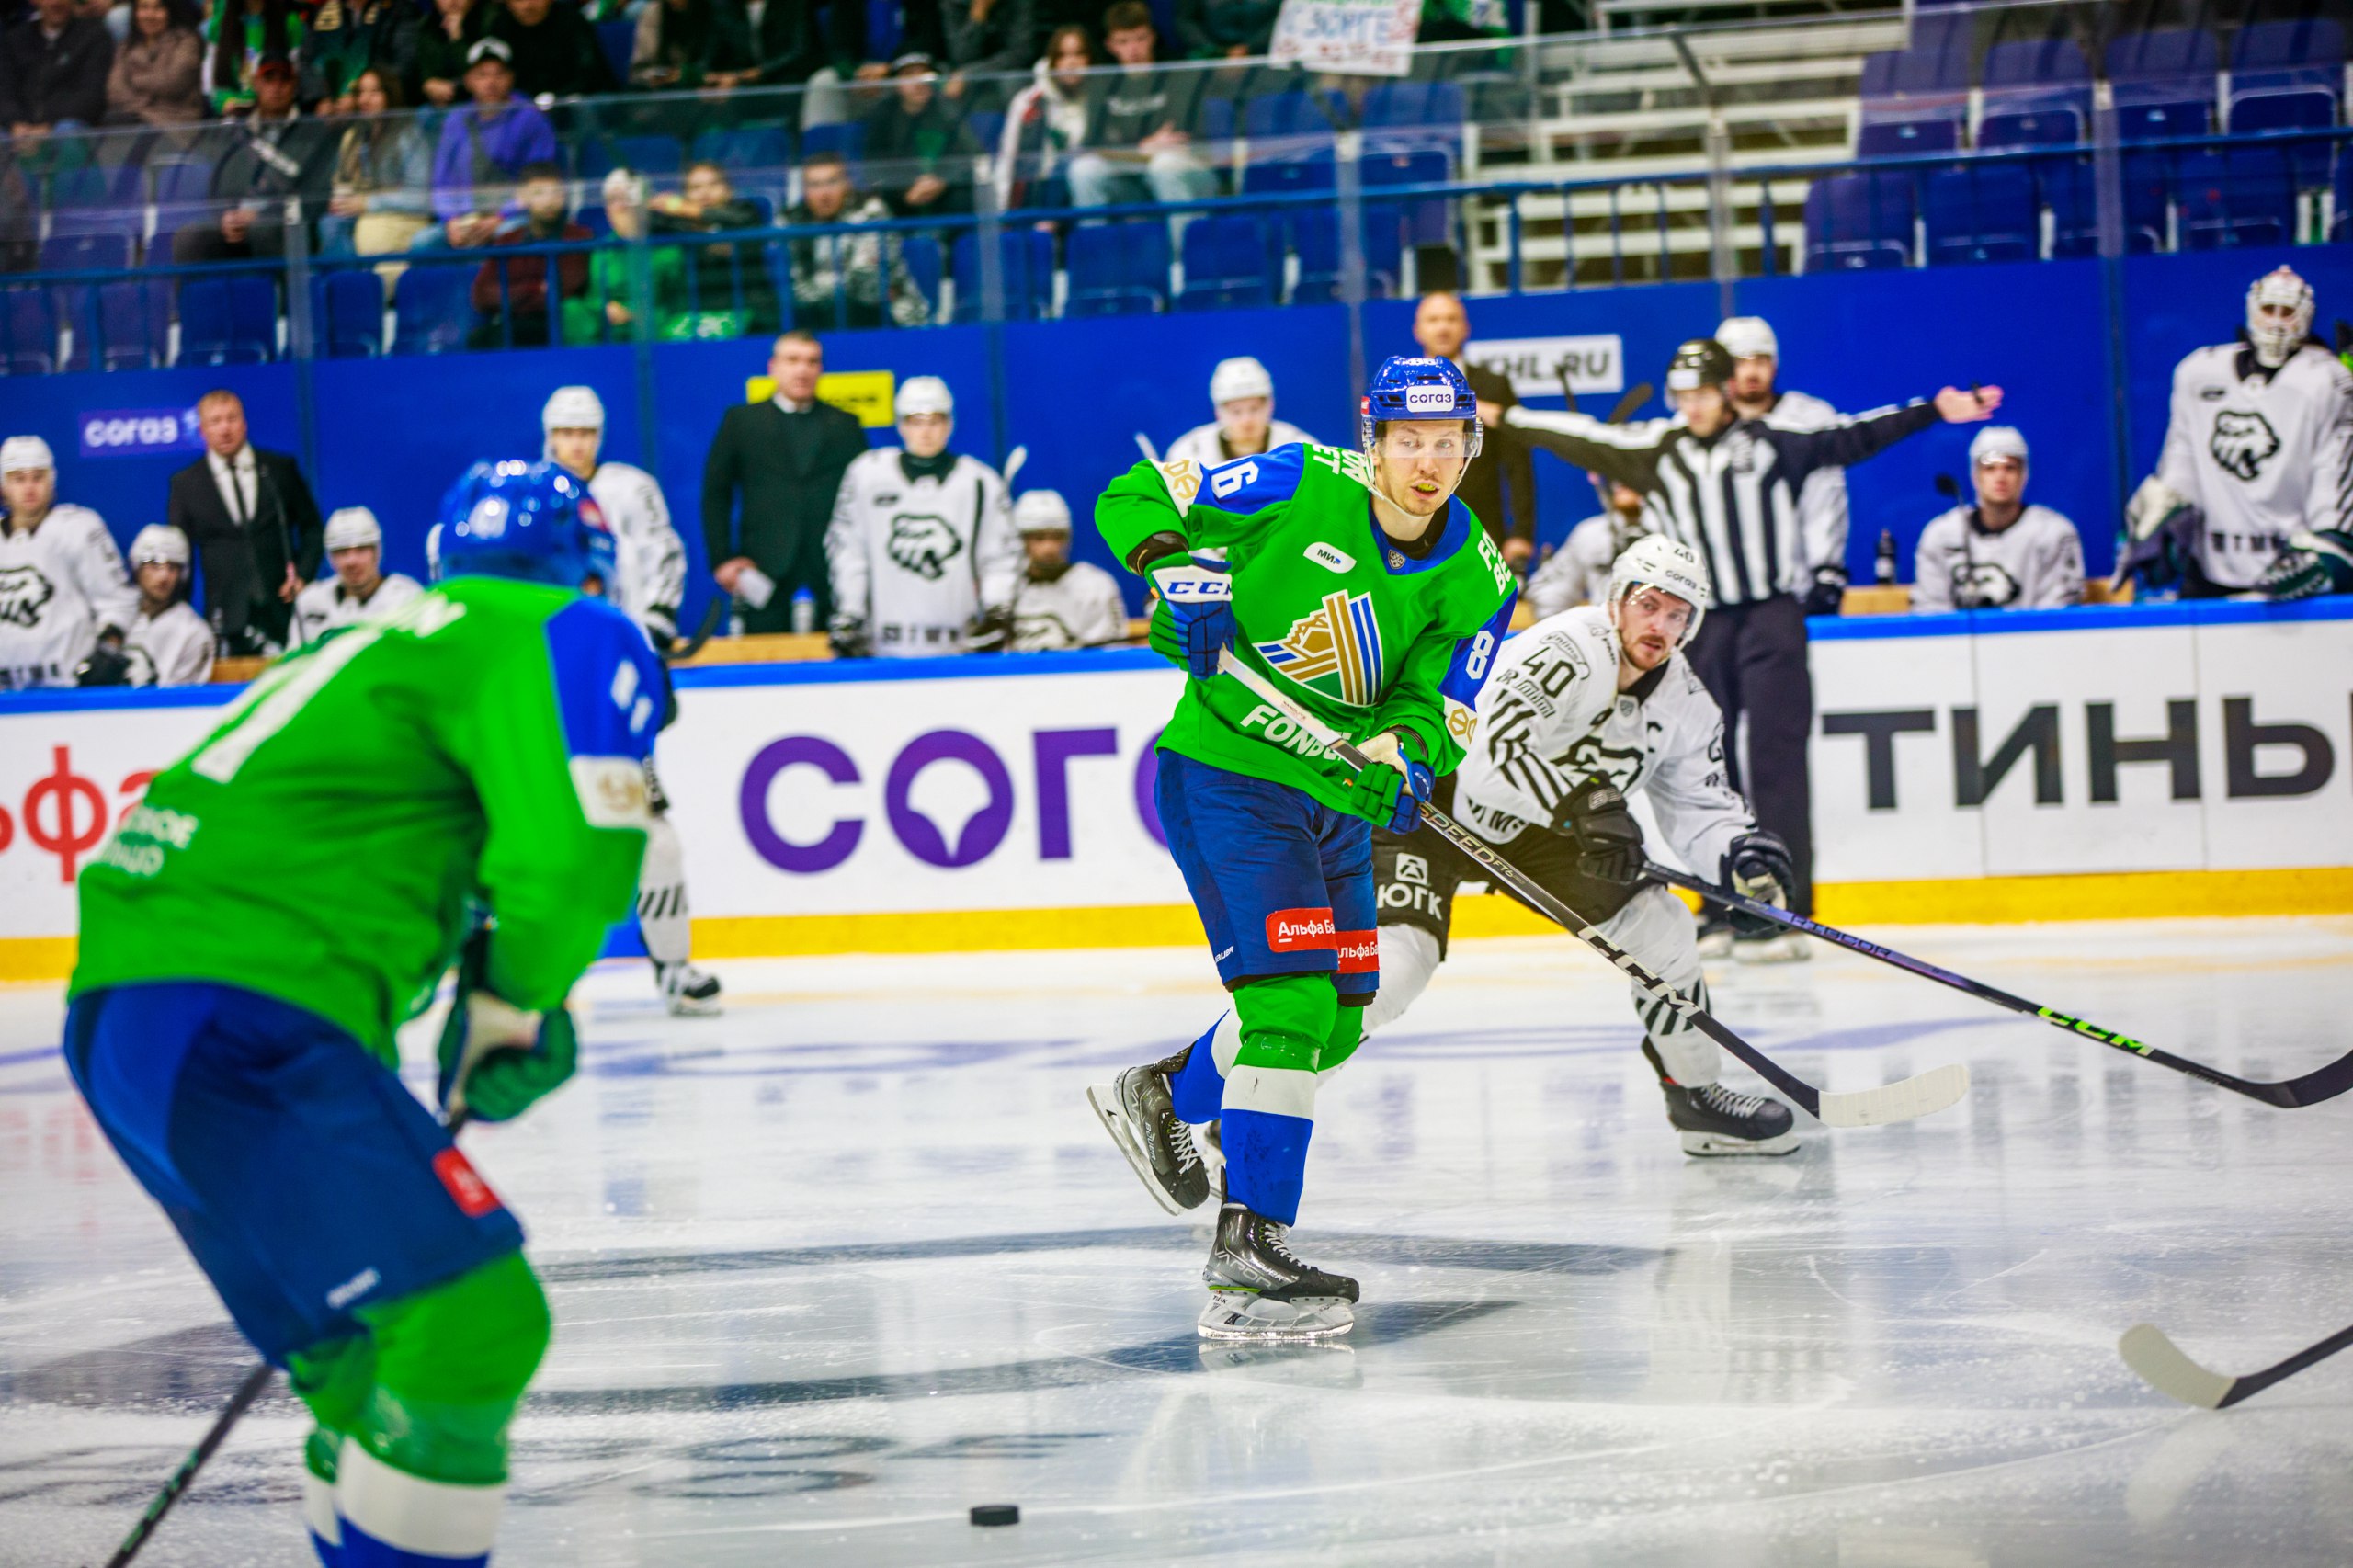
996	1514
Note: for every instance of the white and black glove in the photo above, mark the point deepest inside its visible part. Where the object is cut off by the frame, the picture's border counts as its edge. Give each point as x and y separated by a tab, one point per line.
1757	867
1828	594
850	638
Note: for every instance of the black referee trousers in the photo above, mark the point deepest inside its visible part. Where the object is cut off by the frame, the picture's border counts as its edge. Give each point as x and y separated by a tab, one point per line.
1751	657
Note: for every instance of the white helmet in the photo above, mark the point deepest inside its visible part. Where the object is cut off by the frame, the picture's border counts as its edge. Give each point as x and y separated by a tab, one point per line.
159	541
573	408
25	451
922	394
353	527
1658	561
1748	337
2276	341
1041	512
1239	377
1998	441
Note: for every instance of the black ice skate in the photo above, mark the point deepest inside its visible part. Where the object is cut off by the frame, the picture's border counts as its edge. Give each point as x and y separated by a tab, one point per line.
1715	1120
690	992
1141	1119
1260	1289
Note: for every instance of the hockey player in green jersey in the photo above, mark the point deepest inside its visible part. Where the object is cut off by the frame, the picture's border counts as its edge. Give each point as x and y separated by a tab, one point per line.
1359	582
286	895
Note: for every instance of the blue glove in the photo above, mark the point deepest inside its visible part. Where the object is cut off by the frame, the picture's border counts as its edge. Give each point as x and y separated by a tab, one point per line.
1385	788
1197	592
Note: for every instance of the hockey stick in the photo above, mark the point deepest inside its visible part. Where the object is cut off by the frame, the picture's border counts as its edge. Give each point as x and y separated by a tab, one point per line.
1930	1092
717	608
1636	395
2324	1083
1144	445
255	1384
2164	1368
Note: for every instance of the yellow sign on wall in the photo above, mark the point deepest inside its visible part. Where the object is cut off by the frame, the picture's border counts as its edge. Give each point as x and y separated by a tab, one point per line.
866	393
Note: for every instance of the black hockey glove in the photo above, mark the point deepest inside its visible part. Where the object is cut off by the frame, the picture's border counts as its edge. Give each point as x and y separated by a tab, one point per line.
1608	839
991	631
1828	594
848	638
662	628
107	666
1757	867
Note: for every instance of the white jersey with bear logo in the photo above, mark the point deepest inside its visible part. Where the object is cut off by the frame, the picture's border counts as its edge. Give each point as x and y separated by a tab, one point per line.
2035	563
917	558
1551	717
1200	444
648	558
171	649
1079	608
61	583
326	604
2261	454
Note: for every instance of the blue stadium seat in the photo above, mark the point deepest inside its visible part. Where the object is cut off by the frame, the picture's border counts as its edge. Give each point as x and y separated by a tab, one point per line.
134	327
77	304
2241	197
1407	117
765	150
2164	119
228	321
2022	75
1294	113
27	332
1429	219
1229	265
654	156
925	265
2163	62
987	126
431	309
92	187
618	40
2056	125
1981	212
1930	78
847	138
1859	223
129	222
1274	176
183	195
1026	258
1315	235
2288	76
1116	269
1902	136
347	313
2067	188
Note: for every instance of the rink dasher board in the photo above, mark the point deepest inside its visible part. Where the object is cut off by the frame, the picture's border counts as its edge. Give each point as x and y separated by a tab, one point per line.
2094	762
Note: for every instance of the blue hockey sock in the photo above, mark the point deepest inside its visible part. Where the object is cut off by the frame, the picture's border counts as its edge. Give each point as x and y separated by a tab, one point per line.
1199	1088
1266	1161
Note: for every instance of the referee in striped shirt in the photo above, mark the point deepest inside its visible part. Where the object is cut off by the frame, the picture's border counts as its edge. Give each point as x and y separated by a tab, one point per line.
1728	487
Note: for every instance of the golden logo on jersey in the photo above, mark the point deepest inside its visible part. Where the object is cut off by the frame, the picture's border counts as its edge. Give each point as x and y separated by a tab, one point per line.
1342	641
1183	479
1460	723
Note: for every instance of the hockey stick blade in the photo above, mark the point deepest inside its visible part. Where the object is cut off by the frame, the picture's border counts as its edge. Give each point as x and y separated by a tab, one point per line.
1636	395
710	615
2161	1365
1900	1101
2321	1084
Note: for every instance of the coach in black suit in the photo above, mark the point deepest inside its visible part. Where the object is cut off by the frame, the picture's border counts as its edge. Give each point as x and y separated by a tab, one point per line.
253	522
1500	484
785	459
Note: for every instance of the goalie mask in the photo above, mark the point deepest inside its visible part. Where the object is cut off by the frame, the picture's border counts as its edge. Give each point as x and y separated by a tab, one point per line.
1654	561
2279	316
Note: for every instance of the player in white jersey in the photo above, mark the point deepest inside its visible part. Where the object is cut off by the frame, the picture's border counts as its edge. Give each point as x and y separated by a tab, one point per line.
358	588
2260	446
63	589
921	545
648	558
1578	573
1061	603
1242	393
1584	710
1822	500
650	577
168	644
2001	554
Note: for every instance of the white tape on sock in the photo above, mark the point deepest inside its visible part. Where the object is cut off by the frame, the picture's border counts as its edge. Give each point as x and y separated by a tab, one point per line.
430	1519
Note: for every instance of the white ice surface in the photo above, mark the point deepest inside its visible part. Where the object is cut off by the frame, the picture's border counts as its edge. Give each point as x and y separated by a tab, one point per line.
834	1267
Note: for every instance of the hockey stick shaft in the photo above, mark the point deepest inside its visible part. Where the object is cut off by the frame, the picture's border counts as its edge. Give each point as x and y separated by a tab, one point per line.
1897	1102
256	1383
2161	1364
2324	1083
710	615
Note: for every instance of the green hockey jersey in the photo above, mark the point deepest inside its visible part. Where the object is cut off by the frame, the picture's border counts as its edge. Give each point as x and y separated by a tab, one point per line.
1365	636
322	845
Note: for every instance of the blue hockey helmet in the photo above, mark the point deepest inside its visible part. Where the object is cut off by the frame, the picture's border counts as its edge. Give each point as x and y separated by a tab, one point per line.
1417	388
531	520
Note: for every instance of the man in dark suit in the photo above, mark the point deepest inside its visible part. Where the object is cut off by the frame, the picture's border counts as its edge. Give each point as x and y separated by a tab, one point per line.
1500	484
253	522
785	459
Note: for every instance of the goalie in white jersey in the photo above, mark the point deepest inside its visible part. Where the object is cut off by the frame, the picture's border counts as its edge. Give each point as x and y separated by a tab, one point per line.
649	580
1063	603
921	546
63	590
2259	449
1242	393
357	589
1585	708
